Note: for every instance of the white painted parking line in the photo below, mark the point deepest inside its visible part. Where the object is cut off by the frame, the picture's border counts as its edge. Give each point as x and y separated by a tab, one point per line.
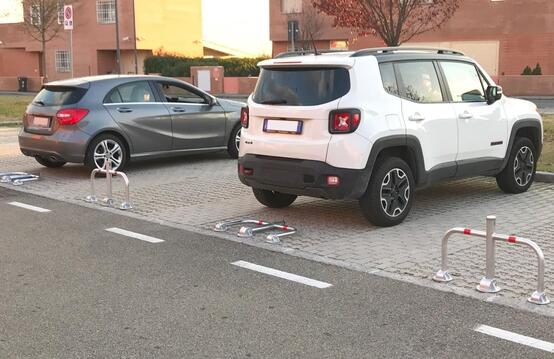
281	274
127	233
516	338
29	207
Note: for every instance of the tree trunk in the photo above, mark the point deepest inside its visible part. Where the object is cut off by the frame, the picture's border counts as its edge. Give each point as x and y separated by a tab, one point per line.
43	59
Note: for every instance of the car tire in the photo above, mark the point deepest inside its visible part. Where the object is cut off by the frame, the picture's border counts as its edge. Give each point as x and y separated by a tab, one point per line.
46	162
234	141
116	146
389	195
519	173
273	199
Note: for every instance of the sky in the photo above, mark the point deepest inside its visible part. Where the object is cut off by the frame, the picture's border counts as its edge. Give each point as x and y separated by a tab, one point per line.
238	24
10	11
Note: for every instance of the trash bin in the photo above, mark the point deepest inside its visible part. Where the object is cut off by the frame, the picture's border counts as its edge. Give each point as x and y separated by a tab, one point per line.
22	81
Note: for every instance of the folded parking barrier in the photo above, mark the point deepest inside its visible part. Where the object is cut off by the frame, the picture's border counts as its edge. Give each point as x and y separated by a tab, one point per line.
17	178
488	282
108	201
261	226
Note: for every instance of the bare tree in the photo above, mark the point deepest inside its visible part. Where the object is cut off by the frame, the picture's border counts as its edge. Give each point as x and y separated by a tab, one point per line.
395	21
41	22
310	25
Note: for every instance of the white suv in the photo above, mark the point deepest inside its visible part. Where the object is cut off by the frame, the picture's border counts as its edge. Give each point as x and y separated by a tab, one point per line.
376	124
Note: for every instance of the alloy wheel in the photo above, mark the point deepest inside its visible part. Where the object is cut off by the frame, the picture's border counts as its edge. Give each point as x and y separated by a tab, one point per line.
524	164
395	192
108	150
237	139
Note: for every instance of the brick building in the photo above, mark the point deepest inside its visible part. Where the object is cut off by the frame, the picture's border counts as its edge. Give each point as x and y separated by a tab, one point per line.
172	25
503	35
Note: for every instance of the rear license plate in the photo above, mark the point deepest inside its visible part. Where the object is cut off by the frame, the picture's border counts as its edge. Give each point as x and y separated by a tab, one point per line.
40	122
283	126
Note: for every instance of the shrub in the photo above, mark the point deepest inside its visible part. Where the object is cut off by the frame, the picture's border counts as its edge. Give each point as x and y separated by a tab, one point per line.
527	71
537	70
179	66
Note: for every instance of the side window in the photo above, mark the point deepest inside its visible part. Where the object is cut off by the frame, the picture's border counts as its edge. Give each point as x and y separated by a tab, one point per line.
463	81
139	91
174	93
420	82
389	79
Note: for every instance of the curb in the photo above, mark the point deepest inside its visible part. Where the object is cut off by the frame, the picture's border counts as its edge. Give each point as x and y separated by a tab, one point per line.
547	177
10	123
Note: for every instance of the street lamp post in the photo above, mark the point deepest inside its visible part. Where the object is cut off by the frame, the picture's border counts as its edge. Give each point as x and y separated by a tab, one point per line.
118	50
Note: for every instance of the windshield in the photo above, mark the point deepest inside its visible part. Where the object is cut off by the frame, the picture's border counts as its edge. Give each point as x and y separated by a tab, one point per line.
302	86
59	96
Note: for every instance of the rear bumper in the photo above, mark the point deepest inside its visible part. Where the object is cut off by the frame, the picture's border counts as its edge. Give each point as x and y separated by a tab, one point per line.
63	145
302	177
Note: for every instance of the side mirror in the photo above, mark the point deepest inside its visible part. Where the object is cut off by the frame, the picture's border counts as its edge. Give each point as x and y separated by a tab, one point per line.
493	94
212	101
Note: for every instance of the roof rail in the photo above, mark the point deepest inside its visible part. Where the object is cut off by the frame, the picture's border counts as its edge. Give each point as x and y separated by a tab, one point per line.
306	52
390	50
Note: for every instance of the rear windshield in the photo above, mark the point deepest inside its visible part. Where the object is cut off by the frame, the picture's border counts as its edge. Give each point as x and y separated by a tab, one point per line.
301	86
59	96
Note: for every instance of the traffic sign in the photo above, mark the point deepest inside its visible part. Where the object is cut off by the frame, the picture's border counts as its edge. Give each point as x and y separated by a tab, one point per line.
68	17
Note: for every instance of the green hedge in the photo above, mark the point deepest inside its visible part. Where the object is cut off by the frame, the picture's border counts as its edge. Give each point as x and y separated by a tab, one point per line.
176	66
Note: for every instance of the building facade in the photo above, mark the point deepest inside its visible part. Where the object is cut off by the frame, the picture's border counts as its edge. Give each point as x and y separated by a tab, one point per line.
172	26
503	35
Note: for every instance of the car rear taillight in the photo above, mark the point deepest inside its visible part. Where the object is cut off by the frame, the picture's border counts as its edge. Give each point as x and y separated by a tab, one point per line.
244	117
71	116
344	121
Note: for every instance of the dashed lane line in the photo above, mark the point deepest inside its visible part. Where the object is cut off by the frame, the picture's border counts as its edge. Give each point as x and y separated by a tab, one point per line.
135	235
516	338
281	274
29	207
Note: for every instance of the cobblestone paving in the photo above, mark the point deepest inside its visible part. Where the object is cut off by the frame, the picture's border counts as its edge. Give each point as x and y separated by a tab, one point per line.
196	192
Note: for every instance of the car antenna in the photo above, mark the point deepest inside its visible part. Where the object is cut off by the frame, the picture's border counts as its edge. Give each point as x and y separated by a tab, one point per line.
313	44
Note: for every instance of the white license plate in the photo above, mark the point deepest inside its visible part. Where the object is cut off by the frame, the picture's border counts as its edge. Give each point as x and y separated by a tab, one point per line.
41	121
283	126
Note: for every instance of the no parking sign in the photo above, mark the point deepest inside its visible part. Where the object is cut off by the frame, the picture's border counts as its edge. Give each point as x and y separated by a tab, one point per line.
68	17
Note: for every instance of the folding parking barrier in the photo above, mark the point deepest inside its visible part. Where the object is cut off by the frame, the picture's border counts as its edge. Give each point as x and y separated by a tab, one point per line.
17	178
488	282
108	201
247	232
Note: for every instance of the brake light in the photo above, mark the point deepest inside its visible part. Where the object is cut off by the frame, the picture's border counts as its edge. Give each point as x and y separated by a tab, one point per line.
244	117
344	121
71	116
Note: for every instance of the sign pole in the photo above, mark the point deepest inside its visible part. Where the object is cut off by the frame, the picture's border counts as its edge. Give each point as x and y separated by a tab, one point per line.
68	25
71	47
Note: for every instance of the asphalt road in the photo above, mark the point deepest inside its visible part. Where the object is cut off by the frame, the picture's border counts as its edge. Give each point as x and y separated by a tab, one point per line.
71	289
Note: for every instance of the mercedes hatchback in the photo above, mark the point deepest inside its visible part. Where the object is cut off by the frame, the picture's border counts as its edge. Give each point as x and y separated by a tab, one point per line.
114	118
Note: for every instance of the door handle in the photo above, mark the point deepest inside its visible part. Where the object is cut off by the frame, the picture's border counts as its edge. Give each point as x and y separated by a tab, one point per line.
124	109
465	115
416	117
178	109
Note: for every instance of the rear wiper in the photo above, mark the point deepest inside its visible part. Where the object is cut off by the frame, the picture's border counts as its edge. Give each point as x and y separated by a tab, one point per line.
274	102
40	103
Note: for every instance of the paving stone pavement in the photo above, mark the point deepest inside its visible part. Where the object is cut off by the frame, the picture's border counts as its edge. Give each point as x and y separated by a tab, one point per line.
195	192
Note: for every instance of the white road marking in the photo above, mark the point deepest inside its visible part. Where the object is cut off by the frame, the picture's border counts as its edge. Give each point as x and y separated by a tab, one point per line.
29	207
127	233
281	274
516	338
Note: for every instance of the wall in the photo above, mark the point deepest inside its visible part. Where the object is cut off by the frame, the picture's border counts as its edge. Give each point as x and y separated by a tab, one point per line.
18	62
11	84
175	25
527	85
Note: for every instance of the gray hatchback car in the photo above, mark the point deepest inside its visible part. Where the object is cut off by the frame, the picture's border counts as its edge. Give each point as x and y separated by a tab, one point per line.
118	118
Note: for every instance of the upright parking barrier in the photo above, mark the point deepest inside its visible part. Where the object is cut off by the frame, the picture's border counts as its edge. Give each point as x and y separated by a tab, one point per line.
108	201
488	282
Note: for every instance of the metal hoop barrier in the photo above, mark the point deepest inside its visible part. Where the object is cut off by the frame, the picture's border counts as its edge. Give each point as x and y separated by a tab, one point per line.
108	201
488	282
260	226
17	178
